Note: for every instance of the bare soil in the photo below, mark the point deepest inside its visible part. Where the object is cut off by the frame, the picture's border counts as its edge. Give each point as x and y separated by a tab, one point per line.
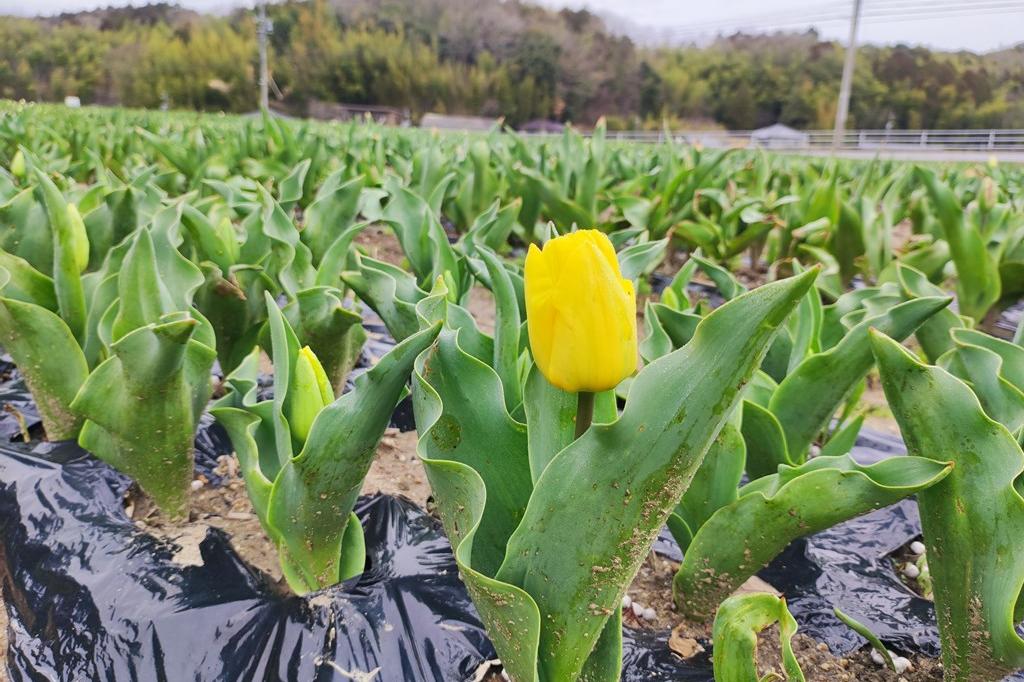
653	588
379	241
396	470
877	415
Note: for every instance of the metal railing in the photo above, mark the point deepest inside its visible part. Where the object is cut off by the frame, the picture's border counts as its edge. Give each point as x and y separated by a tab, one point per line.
995	140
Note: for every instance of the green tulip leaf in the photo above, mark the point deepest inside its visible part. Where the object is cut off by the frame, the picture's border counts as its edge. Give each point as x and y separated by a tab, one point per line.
970	520
808	397
742	537
737	624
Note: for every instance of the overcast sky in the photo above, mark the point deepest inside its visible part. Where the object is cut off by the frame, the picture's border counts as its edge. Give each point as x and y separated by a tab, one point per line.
979	25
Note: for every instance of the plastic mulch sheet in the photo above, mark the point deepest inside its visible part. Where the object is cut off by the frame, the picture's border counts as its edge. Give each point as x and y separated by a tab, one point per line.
90	597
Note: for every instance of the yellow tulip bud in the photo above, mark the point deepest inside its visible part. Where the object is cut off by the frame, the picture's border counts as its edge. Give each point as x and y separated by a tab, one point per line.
308	393
580	313
18	165
988	194
79	238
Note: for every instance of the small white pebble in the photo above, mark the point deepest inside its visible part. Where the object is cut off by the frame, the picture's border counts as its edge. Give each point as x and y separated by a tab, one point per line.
638	610
626	602
877	657
649	614
901	664
197	485
911	571
917	547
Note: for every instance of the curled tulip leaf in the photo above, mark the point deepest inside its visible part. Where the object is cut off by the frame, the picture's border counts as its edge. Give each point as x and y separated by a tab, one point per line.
978	285
67	249
390	291
715	485
934	333
149	439
737	624
971	520
809	396
34	336
769	513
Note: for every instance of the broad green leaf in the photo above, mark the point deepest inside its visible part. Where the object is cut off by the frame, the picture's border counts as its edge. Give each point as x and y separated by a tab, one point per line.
35	338
978	284
742	537
139	408
808	397
971	520
312	498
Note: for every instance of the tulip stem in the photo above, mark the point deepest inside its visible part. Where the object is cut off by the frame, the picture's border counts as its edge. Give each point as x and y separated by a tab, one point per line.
584	412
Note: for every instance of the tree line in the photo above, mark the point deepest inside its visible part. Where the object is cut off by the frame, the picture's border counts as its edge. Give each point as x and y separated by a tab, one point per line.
496	58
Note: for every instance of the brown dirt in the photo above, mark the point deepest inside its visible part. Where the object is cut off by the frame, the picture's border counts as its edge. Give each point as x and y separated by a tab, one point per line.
380	242
481	305
653	588
902	233
226	507
396	471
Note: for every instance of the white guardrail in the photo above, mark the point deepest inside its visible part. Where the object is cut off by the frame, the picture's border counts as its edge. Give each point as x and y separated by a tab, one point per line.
994	141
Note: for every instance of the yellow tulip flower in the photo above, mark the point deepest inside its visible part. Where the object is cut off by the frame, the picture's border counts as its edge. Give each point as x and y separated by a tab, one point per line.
580	313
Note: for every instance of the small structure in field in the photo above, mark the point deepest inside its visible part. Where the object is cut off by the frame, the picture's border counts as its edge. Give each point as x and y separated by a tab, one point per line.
338	111
433	121
542	125
779	136
72	101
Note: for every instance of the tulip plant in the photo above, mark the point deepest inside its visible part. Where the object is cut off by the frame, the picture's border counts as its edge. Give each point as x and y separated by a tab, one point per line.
304	454
273	258
134	375
727	533
737	625
551	518
970	520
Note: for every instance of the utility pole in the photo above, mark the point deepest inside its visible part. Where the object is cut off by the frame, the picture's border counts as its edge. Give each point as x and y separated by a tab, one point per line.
843	107
262	29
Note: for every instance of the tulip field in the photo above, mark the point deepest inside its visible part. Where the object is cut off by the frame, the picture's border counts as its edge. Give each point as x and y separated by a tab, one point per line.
622	361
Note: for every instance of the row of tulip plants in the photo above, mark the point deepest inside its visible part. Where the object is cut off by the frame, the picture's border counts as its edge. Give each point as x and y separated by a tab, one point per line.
739	207
145	258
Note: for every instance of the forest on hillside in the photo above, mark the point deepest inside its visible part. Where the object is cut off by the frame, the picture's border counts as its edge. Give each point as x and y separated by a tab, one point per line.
495	58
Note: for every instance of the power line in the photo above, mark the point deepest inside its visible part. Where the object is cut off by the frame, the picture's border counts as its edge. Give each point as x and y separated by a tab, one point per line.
840	12
899	10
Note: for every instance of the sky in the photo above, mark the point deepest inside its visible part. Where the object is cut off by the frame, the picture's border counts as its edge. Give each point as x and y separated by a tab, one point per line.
979	25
